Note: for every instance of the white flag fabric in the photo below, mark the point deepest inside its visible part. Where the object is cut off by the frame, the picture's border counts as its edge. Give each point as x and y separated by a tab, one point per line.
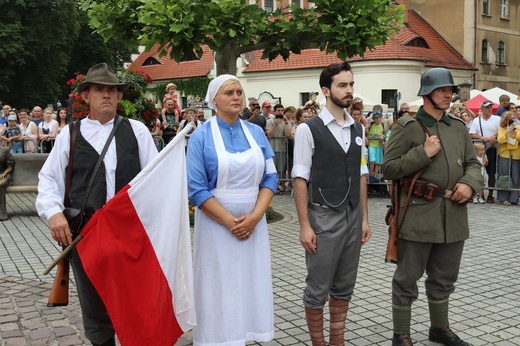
137	252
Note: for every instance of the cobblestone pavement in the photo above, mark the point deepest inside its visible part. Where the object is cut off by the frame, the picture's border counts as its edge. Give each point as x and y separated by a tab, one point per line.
485	308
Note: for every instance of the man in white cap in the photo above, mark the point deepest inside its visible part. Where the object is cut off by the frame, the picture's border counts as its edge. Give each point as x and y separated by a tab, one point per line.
485	128
129	151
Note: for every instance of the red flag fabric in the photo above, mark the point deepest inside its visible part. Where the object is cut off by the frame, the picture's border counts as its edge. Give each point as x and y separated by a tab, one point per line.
136	251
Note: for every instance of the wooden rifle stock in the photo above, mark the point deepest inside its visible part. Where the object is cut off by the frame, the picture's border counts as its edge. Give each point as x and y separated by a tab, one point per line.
392	220
59	295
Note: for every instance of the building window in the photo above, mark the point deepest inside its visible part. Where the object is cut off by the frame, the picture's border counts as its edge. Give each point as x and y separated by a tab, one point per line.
268	5
501	54
152	61
417	42
504	9
485	8
296	3
304	97
485	52
388	96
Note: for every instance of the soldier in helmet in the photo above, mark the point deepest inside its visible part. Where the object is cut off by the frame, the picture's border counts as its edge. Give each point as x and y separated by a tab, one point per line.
433	231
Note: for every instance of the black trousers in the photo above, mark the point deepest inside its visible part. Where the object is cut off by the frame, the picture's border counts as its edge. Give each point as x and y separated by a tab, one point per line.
97	323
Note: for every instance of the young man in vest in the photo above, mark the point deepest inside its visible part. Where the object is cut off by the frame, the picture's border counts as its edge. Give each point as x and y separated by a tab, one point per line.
130	150
330	191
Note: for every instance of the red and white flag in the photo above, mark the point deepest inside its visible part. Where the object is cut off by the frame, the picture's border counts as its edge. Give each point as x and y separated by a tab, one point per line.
136	251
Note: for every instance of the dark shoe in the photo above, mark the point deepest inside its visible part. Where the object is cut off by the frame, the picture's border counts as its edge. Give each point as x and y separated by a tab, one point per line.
446	337
109	342
402	340
490	199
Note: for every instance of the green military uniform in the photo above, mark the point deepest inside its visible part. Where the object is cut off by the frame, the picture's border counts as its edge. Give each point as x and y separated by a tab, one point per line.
432	234
439	220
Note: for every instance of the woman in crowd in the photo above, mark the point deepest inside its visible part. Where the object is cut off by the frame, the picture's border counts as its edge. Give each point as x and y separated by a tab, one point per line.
62	119
29	131
467	116
190	116
48	130
300	116
231	180
509	156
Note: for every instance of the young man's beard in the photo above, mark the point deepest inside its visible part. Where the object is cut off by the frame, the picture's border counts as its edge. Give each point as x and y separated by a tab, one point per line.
343	103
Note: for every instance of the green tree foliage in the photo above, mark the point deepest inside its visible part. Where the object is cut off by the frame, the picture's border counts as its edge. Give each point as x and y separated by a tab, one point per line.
233	27
42	45
35	38
90	49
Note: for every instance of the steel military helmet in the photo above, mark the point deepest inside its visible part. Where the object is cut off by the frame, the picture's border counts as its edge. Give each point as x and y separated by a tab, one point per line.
435	78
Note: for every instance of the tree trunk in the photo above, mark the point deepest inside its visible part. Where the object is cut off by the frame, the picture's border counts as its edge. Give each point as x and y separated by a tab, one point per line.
226	59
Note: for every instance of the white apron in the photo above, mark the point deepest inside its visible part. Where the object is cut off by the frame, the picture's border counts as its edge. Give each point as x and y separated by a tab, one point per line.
232	277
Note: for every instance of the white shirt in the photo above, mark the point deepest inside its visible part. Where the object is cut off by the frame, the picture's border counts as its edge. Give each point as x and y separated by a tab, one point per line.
51	185
304	143
489	126
48	126
31	129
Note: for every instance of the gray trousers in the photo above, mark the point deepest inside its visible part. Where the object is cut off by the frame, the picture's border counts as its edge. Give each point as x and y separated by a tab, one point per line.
441	263
513	170
332	270
97	323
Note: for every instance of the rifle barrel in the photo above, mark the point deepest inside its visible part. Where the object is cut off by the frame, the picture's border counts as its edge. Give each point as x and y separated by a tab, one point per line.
62	254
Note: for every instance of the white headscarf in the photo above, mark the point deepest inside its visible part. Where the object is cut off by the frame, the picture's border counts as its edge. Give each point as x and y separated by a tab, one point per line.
214	87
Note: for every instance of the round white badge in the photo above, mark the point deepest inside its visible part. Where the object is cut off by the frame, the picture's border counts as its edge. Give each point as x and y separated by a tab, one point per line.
359	141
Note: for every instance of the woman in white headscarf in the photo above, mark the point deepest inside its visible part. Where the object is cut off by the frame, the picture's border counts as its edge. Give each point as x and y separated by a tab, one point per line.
231	180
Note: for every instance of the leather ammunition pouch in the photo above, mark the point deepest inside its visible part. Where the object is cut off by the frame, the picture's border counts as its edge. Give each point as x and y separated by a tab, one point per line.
76	219
423	188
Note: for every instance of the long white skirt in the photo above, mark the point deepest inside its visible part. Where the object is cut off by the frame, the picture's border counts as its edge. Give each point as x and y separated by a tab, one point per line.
232	278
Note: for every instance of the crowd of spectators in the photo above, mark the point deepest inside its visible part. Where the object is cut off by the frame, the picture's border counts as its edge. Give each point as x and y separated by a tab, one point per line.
29	131
495	136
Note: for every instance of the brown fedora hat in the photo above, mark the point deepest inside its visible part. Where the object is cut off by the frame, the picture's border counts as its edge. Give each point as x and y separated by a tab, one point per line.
101	74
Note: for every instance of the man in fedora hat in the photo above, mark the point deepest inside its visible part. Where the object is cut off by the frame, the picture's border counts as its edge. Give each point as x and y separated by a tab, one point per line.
130	149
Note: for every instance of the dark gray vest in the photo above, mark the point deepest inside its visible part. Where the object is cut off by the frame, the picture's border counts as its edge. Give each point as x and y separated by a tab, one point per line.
85	158
334	180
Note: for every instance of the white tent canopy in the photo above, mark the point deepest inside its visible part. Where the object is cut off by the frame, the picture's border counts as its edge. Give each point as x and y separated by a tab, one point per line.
414	105
368	104
473	93
494	94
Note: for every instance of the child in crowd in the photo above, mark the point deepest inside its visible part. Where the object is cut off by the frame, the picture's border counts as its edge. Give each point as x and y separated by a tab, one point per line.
376	136
13	135
480	151
190	115
170	93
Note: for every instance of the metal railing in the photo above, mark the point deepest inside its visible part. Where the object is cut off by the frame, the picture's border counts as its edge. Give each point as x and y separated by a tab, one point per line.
42	145
159	142
288	168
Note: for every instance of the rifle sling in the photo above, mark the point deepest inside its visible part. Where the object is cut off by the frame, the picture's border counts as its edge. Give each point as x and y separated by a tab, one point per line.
412	184
408	197
73	130
117	121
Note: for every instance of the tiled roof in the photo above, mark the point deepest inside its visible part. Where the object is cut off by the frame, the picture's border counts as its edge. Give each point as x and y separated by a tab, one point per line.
439	54
170	69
